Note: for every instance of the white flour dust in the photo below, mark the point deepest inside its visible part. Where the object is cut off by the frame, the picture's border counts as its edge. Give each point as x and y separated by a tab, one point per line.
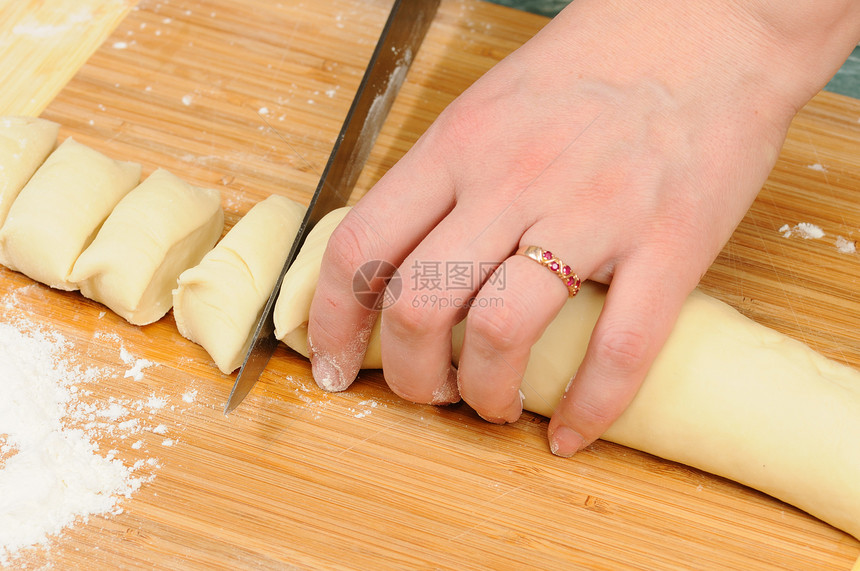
53	473
137	365
368	406
845	246
809	231
805	230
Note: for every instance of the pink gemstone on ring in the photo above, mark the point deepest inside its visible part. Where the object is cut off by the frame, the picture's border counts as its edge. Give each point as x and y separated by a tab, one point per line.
547	255
566	271
573	282
553	266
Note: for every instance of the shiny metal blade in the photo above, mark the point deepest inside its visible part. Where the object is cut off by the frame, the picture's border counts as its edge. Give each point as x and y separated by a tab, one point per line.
401	37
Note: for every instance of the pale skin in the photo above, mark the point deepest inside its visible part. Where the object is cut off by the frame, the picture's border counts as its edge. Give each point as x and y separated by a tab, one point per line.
627	137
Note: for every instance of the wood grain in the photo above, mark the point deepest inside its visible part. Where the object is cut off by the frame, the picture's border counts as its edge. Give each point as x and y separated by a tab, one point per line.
248	97
44	43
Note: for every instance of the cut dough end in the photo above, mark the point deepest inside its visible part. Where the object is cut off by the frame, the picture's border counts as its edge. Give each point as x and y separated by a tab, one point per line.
218	302
157	231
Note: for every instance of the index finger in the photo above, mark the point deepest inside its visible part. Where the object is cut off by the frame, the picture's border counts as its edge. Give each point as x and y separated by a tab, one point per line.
374	232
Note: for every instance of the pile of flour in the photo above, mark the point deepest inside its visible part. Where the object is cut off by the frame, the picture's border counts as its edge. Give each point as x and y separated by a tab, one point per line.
52	473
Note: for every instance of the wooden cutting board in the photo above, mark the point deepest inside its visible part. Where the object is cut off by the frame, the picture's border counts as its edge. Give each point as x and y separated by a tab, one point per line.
248	97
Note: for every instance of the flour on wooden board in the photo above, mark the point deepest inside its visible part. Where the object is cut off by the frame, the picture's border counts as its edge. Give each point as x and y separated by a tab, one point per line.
845	246
805	230
137	365
53	475
809	231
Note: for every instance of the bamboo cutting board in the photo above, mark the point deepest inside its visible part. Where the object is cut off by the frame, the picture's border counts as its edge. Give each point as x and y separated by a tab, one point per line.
248	97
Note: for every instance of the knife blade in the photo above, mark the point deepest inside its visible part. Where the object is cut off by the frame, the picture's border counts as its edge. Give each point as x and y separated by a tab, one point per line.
398	43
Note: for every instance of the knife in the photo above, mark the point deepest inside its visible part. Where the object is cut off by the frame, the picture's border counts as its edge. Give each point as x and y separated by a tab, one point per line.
398	43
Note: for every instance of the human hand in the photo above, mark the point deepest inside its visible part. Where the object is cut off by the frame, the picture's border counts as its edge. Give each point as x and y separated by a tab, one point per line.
629	140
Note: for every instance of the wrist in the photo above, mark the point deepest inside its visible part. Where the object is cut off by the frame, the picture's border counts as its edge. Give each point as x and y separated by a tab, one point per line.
811	39
766	57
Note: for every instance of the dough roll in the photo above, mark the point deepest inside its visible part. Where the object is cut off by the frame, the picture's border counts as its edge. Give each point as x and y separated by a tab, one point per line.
726	395
59	211
24	144
218	302
297	291
157	231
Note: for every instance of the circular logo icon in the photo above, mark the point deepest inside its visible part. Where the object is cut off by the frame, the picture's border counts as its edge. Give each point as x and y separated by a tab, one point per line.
376	285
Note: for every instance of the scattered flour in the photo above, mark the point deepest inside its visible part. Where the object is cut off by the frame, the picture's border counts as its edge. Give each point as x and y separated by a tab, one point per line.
846	246
60	437
114	411
805	230
154	403
368	405
190	396
187	99
817	167
137	365
51	471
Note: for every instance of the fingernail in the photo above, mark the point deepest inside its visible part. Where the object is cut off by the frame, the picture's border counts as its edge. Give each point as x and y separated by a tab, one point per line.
565	442
327	374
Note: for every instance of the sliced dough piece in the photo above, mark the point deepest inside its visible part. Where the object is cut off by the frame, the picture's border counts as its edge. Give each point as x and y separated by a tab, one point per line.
297	290
59	211
218	302
156	232
725	395
24	144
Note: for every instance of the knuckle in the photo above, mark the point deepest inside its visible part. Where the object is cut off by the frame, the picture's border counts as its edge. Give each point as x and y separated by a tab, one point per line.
409	321
595	415
462	122
349	246
503	327
623	348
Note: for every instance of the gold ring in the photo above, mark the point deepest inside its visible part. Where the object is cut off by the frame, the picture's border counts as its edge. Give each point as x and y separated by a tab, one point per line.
545	258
